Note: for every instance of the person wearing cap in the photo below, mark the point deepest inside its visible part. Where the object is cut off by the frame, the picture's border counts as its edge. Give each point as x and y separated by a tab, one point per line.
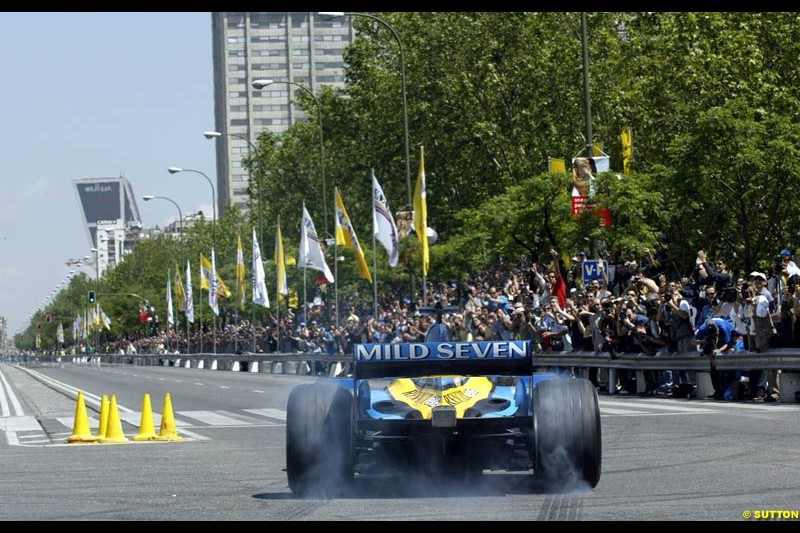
762	330
791	267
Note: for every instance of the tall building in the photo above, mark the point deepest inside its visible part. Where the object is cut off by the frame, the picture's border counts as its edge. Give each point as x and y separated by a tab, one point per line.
111	218
300	47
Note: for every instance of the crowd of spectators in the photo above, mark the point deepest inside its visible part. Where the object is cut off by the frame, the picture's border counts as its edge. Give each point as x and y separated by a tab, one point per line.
611	307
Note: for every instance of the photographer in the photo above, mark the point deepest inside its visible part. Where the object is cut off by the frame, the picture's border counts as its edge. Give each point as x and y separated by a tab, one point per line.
438	331
715	336
647	337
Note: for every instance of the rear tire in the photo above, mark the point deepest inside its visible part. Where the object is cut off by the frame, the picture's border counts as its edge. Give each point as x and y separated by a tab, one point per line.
567	444
319	437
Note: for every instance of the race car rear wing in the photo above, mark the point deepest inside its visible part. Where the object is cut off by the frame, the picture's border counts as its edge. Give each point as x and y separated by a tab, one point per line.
508	358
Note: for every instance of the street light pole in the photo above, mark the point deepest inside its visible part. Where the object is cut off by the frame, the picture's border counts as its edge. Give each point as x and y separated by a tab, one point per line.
385	24
175	170
147	198
260	84
253	150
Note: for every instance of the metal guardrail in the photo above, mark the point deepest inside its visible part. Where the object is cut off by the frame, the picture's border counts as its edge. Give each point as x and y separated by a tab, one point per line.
783	359
776	359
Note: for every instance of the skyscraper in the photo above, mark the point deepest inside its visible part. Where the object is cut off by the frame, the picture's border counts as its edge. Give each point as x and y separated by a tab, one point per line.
110	216
299	47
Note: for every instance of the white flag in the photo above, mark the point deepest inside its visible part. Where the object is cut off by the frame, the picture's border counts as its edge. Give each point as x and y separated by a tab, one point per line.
260	296
212	291
189	298
383	223
170	315
311	255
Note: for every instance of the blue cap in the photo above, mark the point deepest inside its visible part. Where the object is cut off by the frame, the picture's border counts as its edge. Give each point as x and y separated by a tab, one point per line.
786	251
582	253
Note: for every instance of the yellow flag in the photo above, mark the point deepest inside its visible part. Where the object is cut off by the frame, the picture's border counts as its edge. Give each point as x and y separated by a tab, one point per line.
346	236
280	264
205	278
421	212
293	299
627	150
556	165
240	291
205	272
177	287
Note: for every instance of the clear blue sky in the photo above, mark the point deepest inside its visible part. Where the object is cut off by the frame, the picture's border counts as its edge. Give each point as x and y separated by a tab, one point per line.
95	95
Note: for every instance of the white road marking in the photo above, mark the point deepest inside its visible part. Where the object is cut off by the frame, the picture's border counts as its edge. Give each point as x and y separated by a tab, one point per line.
19	423
69	421
610	411
657	407
11	396
271	413
211	418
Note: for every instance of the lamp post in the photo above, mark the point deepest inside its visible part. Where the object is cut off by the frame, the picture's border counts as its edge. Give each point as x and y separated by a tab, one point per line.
175	170
147	198
260	84
334	14
253	150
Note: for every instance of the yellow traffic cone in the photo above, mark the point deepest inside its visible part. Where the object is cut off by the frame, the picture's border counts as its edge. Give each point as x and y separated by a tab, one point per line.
101	432
114	433
147	430
168	430
80	429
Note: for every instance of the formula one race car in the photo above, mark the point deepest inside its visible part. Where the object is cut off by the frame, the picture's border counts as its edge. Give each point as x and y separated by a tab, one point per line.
442	408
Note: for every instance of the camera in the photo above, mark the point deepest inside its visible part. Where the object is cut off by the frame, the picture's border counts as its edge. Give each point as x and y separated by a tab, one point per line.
745	289
729	294
708	347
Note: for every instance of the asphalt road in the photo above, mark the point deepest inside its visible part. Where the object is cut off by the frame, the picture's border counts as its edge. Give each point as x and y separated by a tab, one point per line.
663	459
